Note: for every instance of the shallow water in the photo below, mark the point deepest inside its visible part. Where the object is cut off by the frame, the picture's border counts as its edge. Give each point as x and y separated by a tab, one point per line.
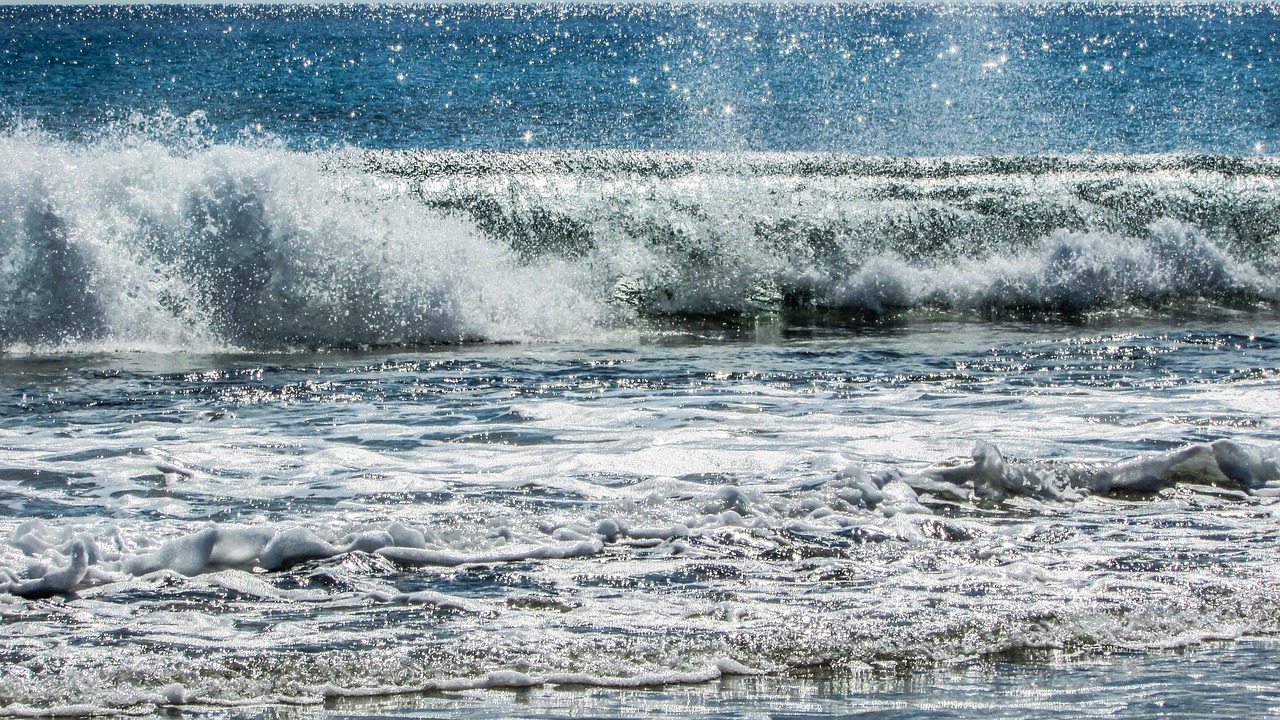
294	528
1216	680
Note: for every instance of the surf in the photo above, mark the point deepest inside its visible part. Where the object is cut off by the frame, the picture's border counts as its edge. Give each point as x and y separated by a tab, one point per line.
151	245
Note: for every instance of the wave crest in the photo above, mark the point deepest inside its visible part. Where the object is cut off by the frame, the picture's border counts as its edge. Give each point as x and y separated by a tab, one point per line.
150	244
709	233
142	246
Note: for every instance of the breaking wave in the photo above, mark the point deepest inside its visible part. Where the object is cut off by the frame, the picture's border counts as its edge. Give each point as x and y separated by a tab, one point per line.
122	245
148	244
708	233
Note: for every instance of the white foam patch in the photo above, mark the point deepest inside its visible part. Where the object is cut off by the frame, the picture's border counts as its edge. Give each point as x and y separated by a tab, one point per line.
1223	463
514	679
65	560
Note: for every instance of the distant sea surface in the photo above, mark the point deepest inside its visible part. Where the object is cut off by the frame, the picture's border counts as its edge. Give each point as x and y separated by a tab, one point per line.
548	360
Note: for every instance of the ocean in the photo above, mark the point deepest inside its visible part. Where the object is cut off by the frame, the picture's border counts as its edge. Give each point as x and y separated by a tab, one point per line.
605	360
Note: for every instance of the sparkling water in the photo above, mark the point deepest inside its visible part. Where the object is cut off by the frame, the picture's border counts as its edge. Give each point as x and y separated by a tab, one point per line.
560	360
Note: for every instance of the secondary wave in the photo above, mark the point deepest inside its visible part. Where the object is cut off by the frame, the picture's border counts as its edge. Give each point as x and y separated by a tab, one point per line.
707	233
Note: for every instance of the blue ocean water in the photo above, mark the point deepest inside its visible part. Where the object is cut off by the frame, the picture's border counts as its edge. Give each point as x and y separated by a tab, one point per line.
881	78
702	359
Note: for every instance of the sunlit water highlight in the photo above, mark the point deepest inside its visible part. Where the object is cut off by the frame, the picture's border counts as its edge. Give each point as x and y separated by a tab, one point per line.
488	360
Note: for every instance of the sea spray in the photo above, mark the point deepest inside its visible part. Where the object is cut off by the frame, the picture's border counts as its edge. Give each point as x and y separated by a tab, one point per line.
137	242
140	245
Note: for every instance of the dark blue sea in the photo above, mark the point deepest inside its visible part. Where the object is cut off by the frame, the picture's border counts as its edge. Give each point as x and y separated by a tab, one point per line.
610	360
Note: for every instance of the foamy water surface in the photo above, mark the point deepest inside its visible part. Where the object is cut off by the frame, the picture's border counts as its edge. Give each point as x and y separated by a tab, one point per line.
244	529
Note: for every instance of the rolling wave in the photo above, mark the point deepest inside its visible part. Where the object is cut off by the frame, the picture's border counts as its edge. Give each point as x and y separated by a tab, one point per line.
120	244
706	233
138	245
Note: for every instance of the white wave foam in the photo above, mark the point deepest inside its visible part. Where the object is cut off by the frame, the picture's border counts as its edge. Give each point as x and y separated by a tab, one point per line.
678	582
1065	272
65	560
515	679
705	233
134	242
143	246
1223	463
